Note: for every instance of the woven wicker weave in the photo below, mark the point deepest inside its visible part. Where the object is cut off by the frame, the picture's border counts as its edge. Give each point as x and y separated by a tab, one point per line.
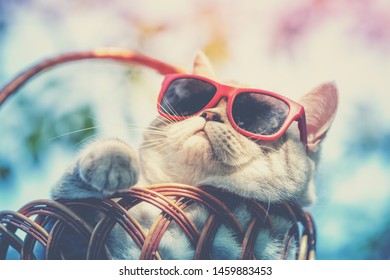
23	229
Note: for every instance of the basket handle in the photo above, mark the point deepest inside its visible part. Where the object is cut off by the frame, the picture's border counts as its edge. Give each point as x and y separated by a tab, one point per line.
114	54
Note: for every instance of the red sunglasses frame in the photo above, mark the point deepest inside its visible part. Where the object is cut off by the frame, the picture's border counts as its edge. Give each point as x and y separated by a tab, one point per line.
296	111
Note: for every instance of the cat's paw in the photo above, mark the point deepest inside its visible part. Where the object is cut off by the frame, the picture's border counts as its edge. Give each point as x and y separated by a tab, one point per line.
109	166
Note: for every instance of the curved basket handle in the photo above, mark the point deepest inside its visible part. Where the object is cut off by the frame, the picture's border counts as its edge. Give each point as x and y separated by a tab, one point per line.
115	54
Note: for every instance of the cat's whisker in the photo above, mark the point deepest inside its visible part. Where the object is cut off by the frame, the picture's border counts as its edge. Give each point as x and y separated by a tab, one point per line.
151	132
163	148
160	148
114	124
166	154
170	109
74	132
148	129
166	121
166	147
163	120
156	143
159	140
93	137
153	144
135	125
151	127
265	129
148	146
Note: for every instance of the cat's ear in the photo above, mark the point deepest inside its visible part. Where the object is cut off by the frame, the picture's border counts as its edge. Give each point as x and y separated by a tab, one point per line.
320	108
203	67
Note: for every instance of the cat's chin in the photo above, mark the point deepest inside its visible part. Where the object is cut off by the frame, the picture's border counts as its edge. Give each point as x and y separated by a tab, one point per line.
196	154
202	134
196	149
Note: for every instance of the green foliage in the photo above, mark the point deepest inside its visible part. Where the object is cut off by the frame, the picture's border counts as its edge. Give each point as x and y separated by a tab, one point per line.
5	171
81	120
40	126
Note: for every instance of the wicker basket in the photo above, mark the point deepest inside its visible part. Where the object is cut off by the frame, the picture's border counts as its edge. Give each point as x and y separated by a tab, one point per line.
23	229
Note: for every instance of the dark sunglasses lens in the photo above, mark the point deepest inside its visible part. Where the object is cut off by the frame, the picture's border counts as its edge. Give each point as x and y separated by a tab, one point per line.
187	96
259	114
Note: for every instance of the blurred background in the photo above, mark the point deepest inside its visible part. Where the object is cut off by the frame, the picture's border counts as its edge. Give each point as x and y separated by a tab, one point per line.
284	46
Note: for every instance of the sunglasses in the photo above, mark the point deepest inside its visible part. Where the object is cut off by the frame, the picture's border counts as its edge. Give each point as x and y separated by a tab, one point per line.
256	114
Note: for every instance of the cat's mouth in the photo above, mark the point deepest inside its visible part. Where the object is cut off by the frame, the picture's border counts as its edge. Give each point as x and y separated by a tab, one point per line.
212	144
225	147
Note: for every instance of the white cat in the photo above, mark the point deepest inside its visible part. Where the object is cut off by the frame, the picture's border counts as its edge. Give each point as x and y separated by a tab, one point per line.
201	150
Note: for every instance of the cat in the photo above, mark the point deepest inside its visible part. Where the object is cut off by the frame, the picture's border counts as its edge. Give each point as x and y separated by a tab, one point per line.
218	156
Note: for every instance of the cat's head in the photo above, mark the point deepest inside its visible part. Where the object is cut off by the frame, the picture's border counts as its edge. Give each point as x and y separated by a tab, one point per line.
207	150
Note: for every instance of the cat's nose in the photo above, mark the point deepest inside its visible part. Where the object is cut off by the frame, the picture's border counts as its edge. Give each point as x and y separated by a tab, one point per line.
209	115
